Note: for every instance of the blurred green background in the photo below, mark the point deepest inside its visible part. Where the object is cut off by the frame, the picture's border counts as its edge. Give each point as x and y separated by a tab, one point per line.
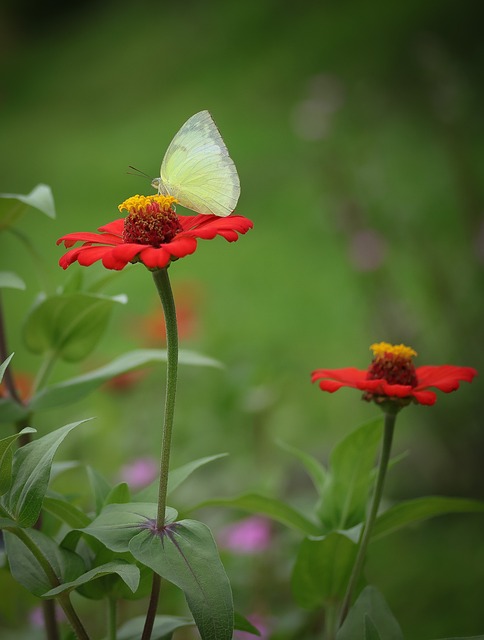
357	131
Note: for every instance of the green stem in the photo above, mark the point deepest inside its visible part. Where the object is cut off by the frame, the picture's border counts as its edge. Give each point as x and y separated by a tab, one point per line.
365	535
63	598
330	621
162	282
166	296
112	612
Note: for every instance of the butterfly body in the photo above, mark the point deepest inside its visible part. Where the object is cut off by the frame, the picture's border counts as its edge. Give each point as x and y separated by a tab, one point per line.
197	169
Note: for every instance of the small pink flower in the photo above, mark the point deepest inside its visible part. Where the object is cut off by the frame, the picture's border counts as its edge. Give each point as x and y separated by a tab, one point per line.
251	535
140	472
36	617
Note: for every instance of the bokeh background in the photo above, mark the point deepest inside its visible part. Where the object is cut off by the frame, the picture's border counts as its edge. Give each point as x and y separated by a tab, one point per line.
357	131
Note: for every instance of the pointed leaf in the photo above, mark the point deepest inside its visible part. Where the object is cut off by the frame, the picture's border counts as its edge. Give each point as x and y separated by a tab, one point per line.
371	632
370	606
344	496
118	523
14	205
4	365
163	627
26	569
185	554
175	478
411	511
129	573
322	570
242	624
100	487
31	473
69	325
6	458
118	494
270	507
66	512
75	389
10	280
315	469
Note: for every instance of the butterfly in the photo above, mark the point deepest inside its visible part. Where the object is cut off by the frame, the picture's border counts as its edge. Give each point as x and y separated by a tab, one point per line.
197	169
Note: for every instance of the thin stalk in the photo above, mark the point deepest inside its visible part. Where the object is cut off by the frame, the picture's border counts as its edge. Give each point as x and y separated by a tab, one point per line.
365	535
330	621
152	607
112	613
166	296
162	282
7	376
50	622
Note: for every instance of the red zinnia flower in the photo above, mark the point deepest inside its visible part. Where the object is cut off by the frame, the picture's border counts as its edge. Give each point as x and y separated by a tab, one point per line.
392	377
152	233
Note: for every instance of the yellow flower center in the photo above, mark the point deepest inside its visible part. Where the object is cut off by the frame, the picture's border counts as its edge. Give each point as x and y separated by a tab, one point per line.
393	363
151	220
382	349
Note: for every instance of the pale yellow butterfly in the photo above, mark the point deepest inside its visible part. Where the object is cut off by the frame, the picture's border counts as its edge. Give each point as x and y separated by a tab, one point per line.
197	169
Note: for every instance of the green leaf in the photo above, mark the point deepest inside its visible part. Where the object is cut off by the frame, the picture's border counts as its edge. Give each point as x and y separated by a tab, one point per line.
4	366
270	507
344	496
66	512
315	469
370	608
31	473
175	478
6	458
100	487
118	523
69	325
10	280
7	523
322	570
411	511
129	573
26	569
14	205
185	554
163	627
75	389
118	494
371	632
242	624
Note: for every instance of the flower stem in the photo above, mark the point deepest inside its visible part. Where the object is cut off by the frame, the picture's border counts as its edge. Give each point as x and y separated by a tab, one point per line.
365	535
162	282
166	296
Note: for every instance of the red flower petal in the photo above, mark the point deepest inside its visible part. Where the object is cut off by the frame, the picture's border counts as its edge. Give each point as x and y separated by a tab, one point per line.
349	376
155	258
446	377
181	246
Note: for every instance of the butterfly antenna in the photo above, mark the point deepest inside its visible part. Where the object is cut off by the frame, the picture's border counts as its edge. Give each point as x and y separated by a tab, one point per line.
138	172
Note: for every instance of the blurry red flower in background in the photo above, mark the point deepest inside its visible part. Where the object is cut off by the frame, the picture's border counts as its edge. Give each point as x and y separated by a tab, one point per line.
392	376
152	233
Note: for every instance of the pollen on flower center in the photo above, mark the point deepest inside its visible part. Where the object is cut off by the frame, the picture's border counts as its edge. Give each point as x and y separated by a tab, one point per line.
150	220
393	363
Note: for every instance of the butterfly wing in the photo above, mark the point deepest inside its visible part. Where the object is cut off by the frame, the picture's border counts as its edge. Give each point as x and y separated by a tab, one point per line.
197	169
